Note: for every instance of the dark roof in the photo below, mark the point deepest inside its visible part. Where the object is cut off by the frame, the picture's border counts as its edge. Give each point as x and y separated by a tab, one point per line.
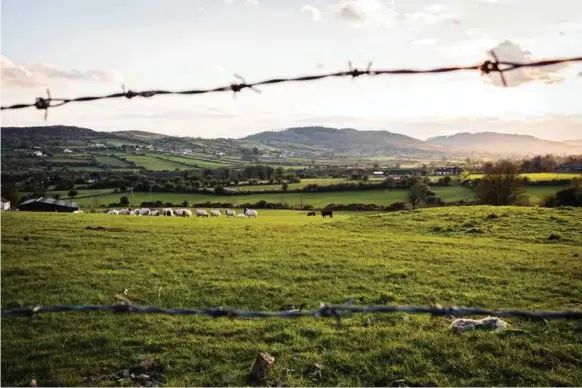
5	200
50	201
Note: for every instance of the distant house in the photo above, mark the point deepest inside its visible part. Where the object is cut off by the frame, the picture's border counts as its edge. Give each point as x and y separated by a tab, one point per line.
378	173
37	153
67	151
570	167
45	204
5	204
448	171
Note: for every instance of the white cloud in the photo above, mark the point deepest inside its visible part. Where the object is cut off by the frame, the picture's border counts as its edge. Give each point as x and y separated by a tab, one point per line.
364	12
39	74
433	14
508	51
313	10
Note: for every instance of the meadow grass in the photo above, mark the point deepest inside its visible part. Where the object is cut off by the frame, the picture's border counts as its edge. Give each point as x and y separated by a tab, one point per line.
499	258
537	177
378	197
113	162
154	163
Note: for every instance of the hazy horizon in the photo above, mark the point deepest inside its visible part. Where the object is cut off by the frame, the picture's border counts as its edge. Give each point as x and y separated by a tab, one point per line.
90	48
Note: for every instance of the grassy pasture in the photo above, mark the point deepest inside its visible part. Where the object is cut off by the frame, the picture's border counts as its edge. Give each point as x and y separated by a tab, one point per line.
536	177
284	258
153	163
379	197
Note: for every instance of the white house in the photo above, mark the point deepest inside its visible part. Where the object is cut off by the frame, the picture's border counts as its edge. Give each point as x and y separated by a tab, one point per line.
37	153
67	151
378	173
5	204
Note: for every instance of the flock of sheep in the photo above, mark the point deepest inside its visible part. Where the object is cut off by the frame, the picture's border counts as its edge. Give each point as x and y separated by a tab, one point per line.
183	213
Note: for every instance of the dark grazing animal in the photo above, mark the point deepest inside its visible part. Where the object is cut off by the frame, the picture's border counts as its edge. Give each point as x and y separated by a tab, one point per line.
310	214
326	213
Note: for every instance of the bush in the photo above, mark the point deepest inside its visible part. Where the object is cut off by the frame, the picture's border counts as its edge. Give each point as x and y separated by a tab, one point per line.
571	196
396	206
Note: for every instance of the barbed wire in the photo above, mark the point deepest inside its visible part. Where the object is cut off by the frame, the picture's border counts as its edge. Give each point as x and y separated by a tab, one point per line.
325	310
486	67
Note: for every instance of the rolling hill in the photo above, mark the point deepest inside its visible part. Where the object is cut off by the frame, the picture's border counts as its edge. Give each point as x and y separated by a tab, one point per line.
498	143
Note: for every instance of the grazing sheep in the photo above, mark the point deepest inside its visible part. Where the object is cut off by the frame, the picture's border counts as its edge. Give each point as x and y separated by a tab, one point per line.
113	211
215	213
183	212
155	213
126	212
241	215
167	212
144	212
78	212
230	213
251	213
201	213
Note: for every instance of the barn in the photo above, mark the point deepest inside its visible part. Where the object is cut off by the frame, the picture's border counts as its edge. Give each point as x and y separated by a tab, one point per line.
46	204
5	204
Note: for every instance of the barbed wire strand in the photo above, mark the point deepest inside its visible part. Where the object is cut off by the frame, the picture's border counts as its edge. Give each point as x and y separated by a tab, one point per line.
325	310
485	68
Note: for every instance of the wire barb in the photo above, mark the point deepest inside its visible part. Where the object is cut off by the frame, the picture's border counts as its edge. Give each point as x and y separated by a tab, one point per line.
485	68
325	311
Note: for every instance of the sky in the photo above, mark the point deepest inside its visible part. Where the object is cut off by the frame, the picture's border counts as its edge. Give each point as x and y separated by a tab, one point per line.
77	48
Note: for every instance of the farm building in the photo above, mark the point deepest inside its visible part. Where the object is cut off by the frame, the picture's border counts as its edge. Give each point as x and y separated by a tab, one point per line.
5	204
45	204
378	173
448	171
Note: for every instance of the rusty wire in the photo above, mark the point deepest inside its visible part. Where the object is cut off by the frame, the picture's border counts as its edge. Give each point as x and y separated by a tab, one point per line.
485	68
325	310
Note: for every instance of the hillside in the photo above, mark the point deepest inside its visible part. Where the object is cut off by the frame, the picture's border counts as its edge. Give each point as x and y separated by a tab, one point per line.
345	141
499	143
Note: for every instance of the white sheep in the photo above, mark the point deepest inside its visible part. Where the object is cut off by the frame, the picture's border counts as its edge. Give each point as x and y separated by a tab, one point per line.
241	215
78	212
230	213
201	213
215	213
183	213
167	212
251	213
113	211
126	212
155	213
144	212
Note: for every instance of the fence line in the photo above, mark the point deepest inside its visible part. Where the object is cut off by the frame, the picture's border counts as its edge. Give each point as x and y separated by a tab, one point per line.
325	310
485	68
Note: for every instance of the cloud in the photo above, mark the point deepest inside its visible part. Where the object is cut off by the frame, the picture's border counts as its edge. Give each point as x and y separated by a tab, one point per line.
508	51
313	10
39	74
433	14
245	2
364	12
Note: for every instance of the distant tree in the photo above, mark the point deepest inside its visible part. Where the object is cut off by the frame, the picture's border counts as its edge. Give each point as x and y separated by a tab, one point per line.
255	151
376	166
11	193
72	194
57	196
123	188
285	186
124	201
185	203
418	193
366	178
501	185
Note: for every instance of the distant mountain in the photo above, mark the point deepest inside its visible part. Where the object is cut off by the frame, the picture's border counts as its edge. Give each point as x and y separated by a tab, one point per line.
344	141
499	143
53	132
307	142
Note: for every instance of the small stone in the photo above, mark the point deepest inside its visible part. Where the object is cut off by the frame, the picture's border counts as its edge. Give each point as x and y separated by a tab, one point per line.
125	373
143	376
263	363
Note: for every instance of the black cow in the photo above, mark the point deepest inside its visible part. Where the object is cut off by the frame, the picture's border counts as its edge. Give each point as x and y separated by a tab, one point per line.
310	214
326	213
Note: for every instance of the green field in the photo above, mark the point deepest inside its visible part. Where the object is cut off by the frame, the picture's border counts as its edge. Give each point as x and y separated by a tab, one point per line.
378	197
193	162
536	177
154	163
451	256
